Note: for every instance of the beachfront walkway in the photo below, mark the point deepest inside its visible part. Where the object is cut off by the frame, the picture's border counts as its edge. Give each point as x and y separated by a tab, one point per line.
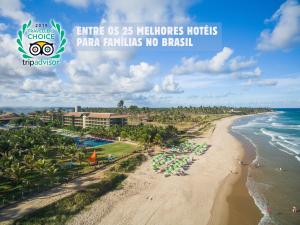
18	210
15	211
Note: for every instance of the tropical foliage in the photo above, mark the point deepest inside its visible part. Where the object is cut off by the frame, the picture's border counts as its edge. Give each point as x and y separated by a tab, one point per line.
31	158
144	134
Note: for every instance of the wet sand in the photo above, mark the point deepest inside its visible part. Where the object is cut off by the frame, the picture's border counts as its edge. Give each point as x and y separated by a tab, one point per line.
233	194
242	209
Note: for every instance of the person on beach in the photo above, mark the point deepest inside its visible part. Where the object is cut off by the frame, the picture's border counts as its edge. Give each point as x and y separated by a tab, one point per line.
294	209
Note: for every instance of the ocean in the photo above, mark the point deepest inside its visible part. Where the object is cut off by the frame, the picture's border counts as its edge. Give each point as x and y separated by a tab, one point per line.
27	110
275	183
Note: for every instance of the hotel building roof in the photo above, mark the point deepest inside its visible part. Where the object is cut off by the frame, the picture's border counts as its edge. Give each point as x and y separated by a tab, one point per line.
96	115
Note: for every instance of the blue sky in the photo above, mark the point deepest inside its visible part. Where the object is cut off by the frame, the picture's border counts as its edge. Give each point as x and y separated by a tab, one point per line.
257	65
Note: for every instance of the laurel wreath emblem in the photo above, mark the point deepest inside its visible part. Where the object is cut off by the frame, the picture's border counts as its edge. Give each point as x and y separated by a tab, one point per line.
56	26
62	39
21	32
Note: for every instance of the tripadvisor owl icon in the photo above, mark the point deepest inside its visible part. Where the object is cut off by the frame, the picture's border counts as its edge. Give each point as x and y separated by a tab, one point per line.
41	44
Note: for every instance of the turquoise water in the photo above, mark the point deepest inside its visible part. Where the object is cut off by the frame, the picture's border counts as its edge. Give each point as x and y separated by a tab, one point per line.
90	142
276	138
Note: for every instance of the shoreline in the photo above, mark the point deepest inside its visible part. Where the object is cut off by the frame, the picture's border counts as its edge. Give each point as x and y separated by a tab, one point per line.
233	203
150	198
242	205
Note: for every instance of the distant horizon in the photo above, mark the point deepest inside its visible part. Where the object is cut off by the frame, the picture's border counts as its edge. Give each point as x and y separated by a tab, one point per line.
162	107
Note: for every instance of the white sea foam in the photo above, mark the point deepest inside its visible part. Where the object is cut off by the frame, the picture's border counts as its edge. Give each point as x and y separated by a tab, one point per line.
280	149
286	126
269	133
259	200
280	142
249	124
248	139
287	147
297	157
291	143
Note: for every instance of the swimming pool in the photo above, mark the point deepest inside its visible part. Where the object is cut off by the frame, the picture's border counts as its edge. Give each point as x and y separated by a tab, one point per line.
90	142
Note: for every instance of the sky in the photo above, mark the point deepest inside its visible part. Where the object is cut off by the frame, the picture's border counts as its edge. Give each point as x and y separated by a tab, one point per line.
256	66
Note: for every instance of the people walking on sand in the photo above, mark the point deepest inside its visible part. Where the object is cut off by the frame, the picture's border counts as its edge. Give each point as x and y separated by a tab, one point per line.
294	209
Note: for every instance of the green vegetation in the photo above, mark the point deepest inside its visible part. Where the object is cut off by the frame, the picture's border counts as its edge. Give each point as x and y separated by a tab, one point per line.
183	118
129	164
33	158
146	135
26	121
117	150
176	111
59	212
36	159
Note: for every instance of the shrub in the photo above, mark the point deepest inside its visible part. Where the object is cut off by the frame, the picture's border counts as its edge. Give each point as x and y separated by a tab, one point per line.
131	163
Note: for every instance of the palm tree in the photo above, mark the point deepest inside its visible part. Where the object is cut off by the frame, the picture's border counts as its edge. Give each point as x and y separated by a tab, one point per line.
15	172
121	104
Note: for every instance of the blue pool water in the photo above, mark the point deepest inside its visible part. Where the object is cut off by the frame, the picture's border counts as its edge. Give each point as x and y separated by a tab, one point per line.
90	142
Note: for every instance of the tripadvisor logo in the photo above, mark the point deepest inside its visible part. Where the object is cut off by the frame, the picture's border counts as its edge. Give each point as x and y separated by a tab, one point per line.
41	44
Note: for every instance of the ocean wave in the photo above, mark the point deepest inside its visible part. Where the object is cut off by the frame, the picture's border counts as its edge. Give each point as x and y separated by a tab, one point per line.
248	139
287	147
240	126
252	123
290	141
269	133
280	149
298	158
259	200
271	119
282	143
286	126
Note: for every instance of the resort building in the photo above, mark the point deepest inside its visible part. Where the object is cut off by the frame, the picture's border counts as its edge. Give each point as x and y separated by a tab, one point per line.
89	119
46	116
77	108
6	117
51	116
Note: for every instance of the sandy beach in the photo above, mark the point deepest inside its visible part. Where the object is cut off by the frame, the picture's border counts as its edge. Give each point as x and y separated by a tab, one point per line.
198	198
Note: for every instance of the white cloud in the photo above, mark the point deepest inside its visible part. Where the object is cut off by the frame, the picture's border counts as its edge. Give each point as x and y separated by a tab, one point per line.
42	85
18	80
138	11
139	79
287	29
239	63
109	72
110	76
248	74
168	86
75	3
142	11
3	27
13	9
265	82
214	65
11	63
100	76
221	63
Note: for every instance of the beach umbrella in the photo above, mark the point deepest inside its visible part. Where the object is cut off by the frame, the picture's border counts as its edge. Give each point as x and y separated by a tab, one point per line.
93	157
